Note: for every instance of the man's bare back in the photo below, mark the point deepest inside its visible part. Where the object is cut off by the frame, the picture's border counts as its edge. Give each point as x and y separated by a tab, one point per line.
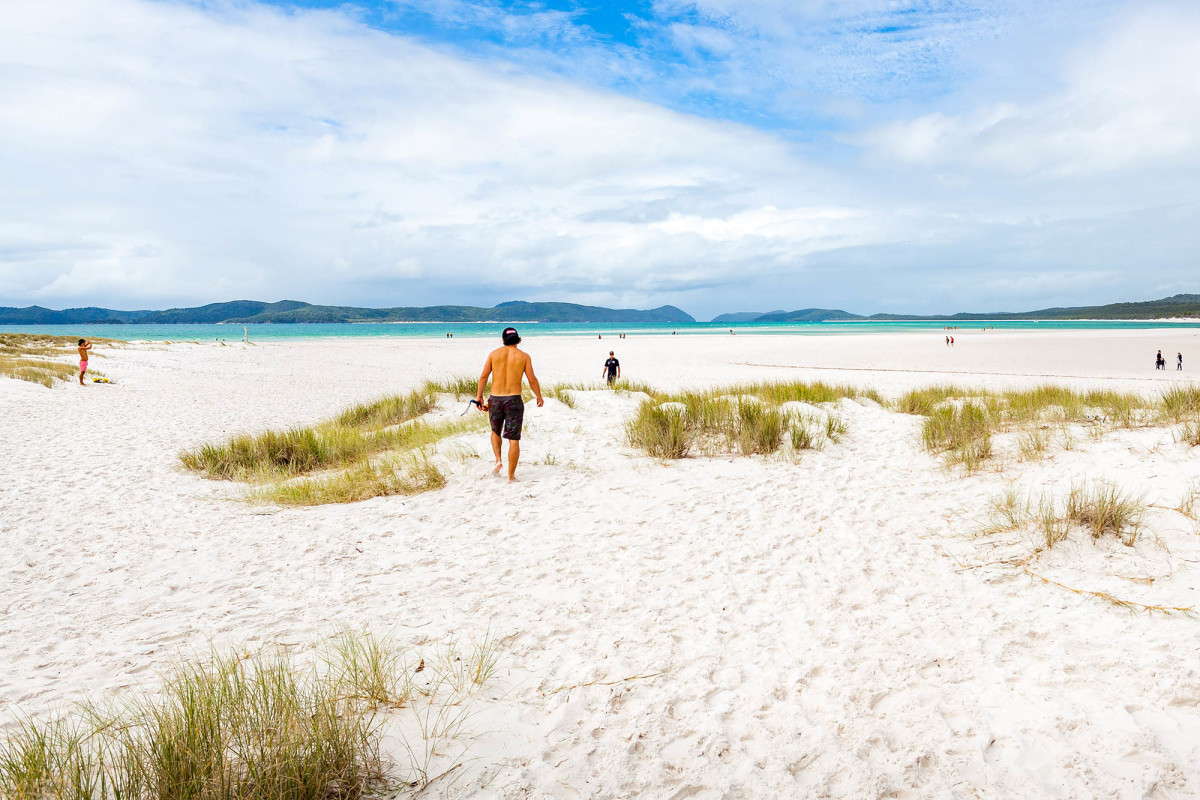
508	368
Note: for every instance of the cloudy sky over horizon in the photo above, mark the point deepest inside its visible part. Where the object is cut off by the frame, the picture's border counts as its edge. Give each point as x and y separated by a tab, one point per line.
717	155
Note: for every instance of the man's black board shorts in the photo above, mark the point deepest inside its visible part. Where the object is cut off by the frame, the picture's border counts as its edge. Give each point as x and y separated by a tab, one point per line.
507	413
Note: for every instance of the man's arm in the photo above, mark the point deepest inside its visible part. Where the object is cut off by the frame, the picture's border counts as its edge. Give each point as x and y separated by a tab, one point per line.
533	381
487	370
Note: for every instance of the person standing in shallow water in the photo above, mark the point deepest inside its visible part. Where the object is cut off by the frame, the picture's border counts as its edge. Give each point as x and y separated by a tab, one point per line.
507	365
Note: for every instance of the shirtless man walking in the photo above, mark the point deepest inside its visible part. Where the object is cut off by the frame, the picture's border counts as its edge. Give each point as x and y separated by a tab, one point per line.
506	410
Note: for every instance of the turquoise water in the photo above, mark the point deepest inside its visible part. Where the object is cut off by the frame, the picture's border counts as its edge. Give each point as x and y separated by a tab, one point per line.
233	333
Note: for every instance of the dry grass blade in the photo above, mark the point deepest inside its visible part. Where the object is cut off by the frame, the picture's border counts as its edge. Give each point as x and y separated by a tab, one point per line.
605	682
1129	605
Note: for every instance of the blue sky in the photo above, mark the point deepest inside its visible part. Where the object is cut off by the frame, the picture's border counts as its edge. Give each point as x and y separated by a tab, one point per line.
718	155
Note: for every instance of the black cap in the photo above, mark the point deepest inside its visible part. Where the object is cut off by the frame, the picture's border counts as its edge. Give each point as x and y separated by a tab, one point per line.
510	336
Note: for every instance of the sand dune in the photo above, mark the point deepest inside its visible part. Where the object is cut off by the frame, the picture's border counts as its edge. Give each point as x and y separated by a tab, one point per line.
734	627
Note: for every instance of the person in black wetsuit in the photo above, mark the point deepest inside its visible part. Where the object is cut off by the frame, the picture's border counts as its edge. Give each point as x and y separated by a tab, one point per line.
612	369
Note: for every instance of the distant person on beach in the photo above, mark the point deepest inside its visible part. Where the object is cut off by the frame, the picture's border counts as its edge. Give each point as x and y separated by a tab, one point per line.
506	410
612	369
1179	362
84	346
1158	360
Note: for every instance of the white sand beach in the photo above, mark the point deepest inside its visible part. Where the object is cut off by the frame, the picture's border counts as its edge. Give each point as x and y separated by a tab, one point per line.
713	627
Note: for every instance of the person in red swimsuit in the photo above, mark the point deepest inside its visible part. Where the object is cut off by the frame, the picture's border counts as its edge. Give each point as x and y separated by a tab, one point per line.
84	346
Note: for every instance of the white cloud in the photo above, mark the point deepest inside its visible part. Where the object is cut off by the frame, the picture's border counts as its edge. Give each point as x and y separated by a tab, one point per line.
259	153
1131	100
166	153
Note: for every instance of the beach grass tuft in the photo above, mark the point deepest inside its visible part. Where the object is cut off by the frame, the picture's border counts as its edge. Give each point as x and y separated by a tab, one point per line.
259	726
804	434
747	418
1032	443
1189	504
1008	511
414	475
962	421
760	428
963	431
387	411
457	385
370	450
662	431
565	392
1100	507
37	370
1189	432
923	401
1104	509
835	428
634	387
1180	404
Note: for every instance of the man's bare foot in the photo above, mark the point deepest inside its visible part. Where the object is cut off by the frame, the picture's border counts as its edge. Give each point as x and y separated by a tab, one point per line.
496	469
512	479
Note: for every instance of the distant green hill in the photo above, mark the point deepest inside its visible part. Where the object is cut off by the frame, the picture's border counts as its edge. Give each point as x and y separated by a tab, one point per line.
252	311
808	315
744	316
36	315
1180	305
